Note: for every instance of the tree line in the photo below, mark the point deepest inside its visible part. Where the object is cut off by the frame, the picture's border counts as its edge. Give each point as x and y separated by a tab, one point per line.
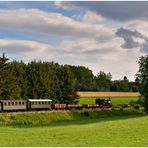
40	79
86	81
36	79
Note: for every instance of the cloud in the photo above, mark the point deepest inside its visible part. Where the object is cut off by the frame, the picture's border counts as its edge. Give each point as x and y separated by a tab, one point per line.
88	40
24	47
34	20
144	46
87	34
128	37
116	10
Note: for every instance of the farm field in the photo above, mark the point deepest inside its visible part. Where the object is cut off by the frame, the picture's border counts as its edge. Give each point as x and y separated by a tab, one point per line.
129	130
116	97
108	94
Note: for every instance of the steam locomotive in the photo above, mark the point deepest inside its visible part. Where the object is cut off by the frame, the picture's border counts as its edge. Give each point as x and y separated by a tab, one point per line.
46	104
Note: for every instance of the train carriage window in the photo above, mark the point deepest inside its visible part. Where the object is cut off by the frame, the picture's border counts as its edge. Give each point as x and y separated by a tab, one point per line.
20	103
5	103
23	103
12	103
9	103
15	103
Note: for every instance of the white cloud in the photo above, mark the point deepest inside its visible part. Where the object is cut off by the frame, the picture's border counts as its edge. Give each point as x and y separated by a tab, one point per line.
34	20
89	41
31	49
92	18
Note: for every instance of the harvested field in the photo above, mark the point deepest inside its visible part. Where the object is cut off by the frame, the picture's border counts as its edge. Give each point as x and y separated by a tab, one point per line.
108	94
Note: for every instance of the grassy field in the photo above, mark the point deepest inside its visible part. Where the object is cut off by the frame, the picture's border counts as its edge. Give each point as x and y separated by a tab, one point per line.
77	128
116	97
128	130
115	100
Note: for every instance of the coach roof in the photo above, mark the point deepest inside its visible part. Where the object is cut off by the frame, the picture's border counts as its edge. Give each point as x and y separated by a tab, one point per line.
40	100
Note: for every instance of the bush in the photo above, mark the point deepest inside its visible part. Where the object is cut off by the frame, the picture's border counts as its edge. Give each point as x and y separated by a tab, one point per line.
141	101
137	107
121	109
85	113
132	103
125	105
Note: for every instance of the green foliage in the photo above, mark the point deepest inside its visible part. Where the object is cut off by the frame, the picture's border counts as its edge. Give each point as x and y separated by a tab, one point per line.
19	71
134	89
120	85
103	81
143	79
140	101
37	79
46	118
86	81
9	88
84	77
137	104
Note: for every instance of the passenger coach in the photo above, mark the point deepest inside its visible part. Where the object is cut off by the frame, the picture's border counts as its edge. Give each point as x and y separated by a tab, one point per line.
25	105
37	104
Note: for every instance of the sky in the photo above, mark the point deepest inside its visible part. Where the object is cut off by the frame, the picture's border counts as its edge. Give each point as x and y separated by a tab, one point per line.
107	36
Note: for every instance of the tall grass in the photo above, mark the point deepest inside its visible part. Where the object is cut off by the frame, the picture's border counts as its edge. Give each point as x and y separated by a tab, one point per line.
46	118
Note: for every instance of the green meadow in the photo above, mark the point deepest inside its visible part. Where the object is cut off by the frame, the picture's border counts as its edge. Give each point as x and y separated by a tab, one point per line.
86	128
74	128
115	100
121	131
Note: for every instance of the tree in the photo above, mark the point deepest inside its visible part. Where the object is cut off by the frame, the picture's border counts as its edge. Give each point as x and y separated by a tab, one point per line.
66	83
84	78
8	81
103	81
51	80
143	79
19	71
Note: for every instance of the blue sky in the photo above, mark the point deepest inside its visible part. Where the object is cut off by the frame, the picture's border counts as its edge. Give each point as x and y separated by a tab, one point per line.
103	36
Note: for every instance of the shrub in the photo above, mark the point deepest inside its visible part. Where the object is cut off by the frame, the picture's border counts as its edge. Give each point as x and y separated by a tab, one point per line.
137	106
141	101
125	105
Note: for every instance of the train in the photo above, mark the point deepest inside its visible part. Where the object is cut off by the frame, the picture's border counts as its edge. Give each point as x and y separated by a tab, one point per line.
46	104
